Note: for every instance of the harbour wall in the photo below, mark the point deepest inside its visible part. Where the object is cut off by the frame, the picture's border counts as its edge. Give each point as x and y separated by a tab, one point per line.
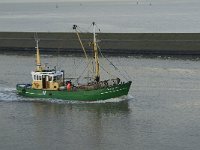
110	43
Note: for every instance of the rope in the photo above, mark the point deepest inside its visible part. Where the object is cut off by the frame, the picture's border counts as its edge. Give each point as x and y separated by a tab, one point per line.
107	71
129	78
115	66
108	61
107	58
84	70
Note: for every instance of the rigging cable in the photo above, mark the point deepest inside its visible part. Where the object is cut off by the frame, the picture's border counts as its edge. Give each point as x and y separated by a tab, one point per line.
81	43
125	72
114	65
107	71
83	70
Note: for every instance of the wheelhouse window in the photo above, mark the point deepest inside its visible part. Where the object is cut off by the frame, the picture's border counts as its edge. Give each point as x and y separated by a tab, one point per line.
57	78
50	78
37	77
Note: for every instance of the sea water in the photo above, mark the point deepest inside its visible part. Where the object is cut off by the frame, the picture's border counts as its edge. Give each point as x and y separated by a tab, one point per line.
146	16
161	111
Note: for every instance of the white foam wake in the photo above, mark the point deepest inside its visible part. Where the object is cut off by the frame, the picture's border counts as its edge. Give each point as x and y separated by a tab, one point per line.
60	101
113	100
8	94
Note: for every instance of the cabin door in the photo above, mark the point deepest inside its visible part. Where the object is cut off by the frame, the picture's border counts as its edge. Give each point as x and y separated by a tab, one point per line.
44	82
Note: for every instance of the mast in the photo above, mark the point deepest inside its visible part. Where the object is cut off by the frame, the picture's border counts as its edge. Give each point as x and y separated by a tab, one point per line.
38	62
96	57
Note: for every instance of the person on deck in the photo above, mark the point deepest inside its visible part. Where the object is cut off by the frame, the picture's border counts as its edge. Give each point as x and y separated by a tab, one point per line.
68	86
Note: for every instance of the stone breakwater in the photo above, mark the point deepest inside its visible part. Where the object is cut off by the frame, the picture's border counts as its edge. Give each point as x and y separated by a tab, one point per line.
110	43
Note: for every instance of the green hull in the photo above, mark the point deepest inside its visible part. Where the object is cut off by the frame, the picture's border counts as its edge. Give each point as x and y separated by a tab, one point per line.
78	95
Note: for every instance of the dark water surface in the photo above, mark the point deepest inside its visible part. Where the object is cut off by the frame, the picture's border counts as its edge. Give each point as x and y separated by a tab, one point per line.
162	111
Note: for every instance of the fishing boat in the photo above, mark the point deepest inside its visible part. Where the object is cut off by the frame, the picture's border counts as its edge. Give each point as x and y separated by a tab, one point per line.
52	84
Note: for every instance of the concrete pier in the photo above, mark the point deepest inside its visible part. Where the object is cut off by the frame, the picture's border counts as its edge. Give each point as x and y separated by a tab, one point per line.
110	43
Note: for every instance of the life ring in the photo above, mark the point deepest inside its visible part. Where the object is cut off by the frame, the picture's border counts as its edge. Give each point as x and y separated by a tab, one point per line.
36	84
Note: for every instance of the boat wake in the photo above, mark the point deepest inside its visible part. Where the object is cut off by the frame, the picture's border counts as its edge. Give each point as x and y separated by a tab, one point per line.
60	101
113	100
8	94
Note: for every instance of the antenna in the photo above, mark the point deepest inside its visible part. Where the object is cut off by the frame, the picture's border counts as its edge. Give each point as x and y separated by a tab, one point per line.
36	37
